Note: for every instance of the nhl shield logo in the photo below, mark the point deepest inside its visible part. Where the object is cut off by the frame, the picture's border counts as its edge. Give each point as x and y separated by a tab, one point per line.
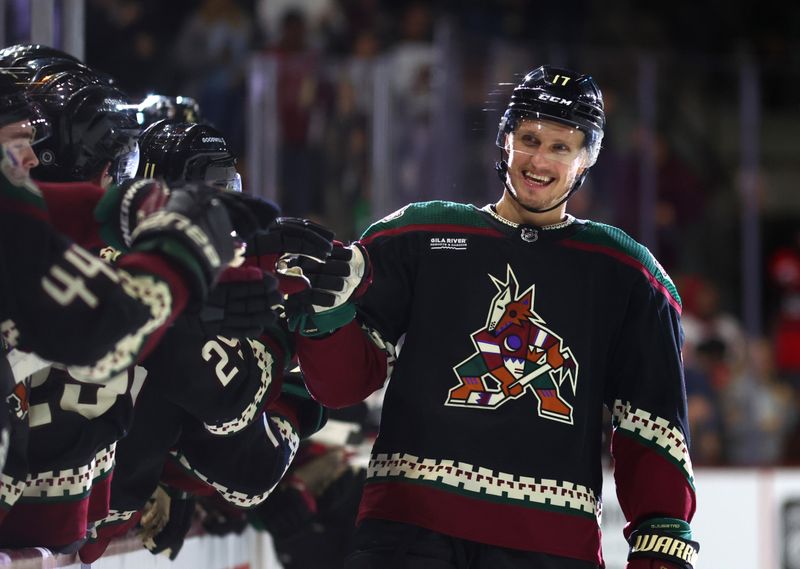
515	353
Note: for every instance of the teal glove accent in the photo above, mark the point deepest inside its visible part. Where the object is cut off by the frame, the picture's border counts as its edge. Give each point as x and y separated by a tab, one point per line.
320	323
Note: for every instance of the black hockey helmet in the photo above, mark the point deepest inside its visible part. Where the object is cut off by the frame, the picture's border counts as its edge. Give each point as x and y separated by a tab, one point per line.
187	152
93	125
16	107
21	54
561	95
156	107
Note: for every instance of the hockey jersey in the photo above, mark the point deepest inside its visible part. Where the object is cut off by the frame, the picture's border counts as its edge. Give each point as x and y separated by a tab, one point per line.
66	304
514	339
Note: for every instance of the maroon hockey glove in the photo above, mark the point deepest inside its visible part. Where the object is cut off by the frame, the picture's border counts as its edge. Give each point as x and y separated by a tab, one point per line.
194	229
295	398
327	305
290	236
662	543
240	306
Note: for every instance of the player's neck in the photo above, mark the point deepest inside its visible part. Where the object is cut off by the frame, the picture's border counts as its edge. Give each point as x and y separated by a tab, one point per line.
508	208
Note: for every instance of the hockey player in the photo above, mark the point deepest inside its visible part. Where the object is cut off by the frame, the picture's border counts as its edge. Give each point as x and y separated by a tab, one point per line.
99	315
520	323
57	288
62	303
154	108
215	415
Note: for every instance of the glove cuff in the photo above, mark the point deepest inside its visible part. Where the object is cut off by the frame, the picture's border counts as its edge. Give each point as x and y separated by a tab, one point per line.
192	270
666	539
325	322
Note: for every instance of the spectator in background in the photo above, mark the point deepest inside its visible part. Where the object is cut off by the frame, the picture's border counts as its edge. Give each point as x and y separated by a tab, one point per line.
211	54
126	25
704	411
303	97
759	410
681	198
323	19
784	276
347	179
705	321
412	61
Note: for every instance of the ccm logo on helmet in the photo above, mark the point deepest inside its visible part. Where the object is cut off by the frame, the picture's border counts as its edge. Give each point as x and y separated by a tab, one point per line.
552	99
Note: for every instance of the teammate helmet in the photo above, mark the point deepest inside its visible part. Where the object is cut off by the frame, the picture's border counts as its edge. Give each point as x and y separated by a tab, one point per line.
184	151
93	125
156	107
560	95
15	106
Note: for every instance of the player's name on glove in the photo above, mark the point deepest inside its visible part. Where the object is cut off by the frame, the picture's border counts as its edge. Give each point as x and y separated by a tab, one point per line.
654	544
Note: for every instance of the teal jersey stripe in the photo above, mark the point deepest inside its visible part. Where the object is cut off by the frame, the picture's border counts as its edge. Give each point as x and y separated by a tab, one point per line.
608	236
430	213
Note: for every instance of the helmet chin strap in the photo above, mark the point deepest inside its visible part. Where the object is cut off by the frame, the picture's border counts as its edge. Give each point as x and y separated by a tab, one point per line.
502	172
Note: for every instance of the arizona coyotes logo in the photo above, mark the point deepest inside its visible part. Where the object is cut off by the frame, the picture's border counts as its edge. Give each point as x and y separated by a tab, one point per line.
18	401
515	353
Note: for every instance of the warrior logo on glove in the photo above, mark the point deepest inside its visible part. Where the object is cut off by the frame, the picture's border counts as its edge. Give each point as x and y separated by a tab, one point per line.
515	353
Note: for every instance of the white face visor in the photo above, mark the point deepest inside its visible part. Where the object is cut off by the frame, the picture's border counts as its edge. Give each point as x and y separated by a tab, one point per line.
224	177
548	140
125	165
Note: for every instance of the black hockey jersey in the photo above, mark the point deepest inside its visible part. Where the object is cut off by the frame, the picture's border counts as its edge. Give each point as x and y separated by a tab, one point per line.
515	338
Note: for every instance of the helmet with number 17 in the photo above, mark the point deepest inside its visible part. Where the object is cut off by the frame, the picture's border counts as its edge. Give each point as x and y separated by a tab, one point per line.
561	95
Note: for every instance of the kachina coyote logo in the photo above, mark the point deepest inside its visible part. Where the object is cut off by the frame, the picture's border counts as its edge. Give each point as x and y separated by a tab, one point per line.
516	353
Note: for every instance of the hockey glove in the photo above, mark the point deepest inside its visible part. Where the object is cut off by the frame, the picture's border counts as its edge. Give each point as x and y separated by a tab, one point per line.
249	214
124	205
311	416
166	521
240	306
335	283
289	236
662	543
194	229
220	518
287	511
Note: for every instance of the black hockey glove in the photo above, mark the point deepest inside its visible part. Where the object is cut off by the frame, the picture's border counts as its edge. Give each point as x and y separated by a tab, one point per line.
160	535
327	305
241	305
311	416
290	236
662	543
287	511
220	518
124	205
194	229
249	214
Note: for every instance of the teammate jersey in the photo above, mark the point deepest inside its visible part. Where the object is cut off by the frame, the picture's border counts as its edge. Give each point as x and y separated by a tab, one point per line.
179	438
66	305
515	338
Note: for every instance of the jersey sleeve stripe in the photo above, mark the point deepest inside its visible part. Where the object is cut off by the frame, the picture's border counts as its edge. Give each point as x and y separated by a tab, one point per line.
630	261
